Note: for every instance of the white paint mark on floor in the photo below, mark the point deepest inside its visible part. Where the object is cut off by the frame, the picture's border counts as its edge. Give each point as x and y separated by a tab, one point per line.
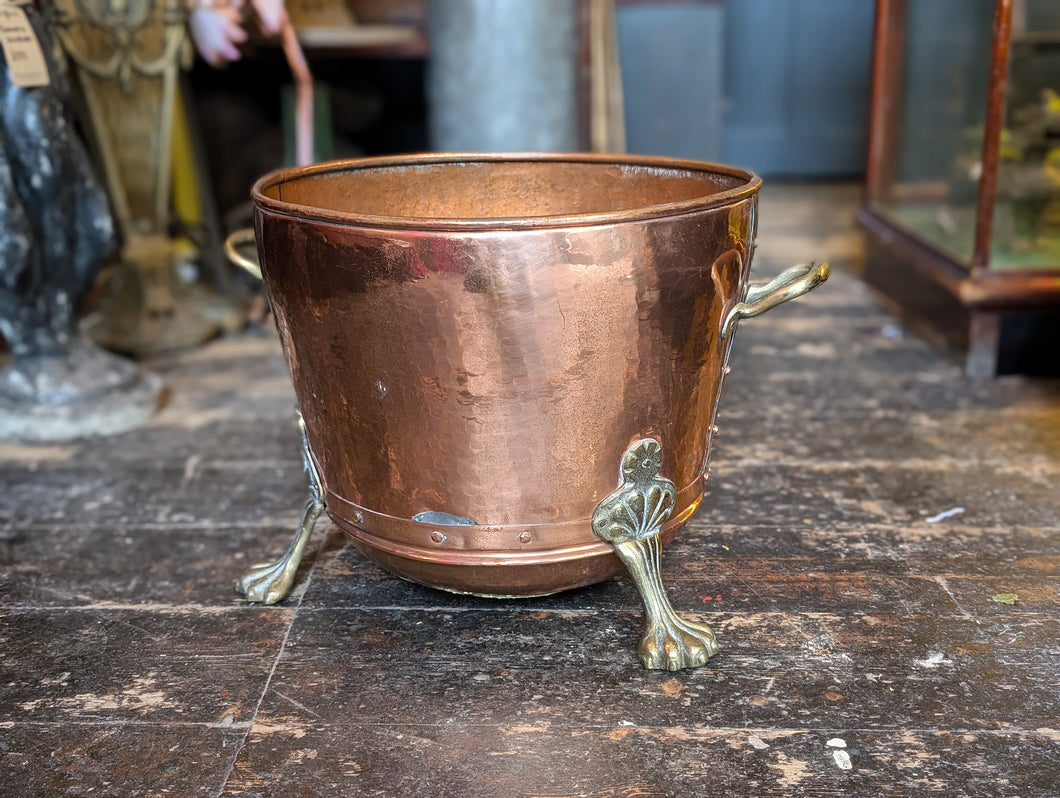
842	759
944	515
892	331
941	582
934	659
190	466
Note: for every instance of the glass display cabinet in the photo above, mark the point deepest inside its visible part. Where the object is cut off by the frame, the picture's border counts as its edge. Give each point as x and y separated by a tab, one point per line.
962	209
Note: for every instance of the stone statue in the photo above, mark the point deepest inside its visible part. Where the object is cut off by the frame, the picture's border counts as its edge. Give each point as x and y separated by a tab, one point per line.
56	233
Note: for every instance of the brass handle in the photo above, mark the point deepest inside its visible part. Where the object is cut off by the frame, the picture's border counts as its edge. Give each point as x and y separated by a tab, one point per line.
242	238
789	284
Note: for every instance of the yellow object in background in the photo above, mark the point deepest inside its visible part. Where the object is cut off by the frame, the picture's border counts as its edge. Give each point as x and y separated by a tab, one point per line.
1052	101
185	189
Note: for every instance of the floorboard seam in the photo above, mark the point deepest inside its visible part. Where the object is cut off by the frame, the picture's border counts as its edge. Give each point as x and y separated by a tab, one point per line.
254	715
705	729
226	777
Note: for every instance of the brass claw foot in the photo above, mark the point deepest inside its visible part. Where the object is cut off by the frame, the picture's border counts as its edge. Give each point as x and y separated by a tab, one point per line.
669	642
270	582
630	519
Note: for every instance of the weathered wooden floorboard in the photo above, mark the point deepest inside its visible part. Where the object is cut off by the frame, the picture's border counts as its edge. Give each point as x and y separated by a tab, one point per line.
779	670
624	761
43	760
182	665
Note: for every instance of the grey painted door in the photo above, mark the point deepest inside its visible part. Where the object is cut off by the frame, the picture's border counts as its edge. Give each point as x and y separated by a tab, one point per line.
797	79
671	56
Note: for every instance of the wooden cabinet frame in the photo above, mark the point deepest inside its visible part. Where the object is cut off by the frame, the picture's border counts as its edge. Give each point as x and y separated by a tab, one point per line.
967	308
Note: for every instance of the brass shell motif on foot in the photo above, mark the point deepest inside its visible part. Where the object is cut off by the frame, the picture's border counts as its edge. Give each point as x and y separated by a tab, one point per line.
630	519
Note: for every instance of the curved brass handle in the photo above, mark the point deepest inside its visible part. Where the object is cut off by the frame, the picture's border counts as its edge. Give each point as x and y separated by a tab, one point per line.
793	282
242	238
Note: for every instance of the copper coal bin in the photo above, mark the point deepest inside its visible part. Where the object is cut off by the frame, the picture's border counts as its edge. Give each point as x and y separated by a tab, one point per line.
508	367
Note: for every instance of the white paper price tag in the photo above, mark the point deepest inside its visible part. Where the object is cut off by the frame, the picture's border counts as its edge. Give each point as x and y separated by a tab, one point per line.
22	50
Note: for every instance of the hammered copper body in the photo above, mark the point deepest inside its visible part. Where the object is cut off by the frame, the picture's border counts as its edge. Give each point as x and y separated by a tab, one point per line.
484	336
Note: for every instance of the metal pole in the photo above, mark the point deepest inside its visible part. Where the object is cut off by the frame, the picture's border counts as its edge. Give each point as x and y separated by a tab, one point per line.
503	75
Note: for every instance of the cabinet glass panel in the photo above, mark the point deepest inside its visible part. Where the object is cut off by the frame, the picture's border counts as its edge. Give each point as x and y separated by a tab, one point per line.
938	125
1026	231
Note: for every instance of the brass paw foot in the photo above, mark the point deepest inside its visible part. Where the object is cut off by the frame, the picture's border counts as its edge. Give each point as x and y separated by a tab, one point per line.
271	582
669	642
677	644
630	519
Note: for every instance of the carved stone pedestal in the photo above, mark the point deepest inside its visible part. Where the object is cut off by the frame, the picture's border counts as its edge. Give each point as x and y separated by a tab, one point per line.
80	393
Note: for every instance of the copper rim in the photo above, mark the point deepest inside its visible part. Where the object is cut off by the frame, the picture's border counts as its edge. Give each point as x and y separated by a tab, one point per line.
751	184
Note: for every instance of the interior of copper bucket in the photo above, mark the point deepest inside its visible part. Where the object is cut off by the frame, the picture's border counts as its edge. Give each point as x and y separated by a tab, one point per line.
620	210
508	190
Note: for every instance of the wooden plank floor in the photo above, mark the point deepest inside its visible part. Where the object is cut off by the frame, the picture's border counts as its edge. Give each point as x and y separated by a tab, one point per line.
863	654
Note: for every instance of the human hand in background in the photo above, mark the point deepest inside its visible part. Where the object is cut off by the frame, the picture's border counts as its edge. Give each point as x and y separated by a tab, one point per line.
217	29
